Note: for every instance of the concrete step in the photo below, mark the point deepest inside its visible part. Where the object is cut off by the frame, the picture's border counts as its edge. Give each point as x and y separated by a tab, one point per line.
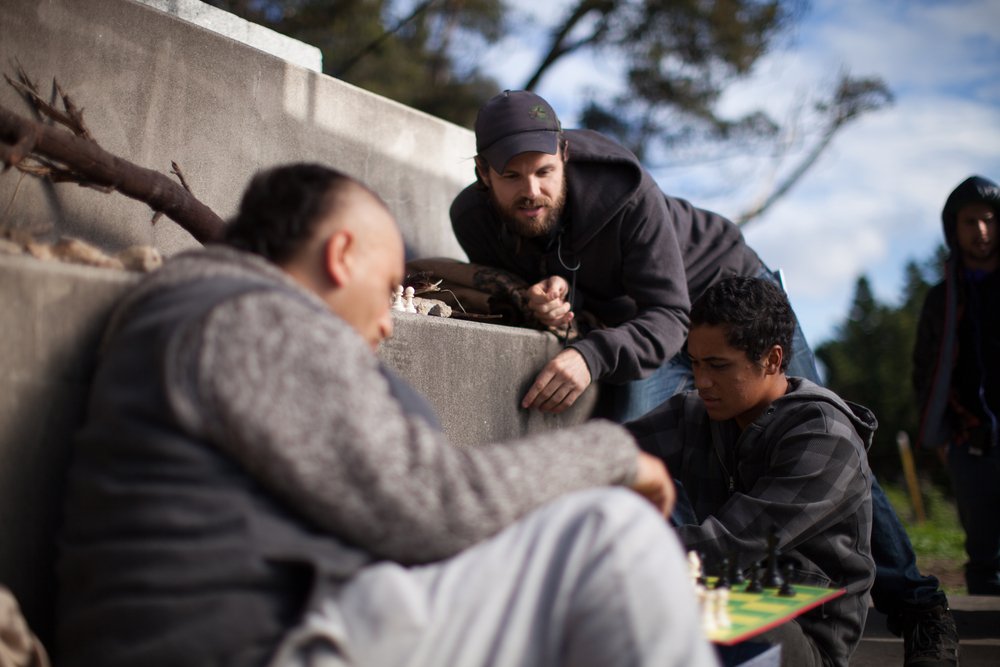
978	621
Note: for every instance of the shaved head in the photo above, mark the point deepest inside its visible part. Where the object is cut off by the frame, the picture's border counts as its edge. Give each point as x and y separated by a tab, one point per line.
331	234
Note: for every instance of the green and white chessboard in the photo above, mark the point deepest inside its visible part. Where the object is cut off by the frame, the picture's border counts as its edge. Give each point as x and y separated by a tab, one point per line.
753	613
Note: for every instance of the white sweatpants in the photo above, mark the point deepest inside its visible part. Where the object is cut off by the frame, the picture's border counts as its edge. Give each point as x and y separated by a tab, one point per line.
592	578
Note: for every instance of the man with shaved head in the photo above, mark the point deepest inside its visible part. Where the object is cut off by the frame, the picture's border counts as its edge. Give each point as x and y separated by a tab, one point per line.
252	487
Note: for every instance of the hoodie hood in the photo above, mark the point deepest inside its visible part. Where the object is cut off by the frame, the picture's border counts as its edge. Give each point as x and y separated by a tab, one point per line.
973	190
592	157
862	419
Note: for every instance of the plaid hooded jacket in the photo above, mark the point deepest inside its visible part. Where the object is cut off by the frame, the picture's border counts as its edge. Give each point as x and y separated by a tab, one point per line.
800	469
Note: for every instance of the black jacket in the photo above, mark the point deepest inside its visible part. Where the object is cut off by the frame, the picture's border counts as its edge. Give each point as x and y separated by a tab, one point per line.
950	410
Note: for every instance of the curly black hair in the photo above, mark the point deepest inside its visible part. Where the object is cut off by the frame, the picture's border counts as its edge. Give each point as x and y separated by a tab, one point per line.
754	312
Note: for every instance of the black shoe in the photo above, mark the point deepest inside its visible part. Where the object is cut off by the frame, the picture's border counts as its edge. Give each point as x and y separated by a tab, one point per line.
930	638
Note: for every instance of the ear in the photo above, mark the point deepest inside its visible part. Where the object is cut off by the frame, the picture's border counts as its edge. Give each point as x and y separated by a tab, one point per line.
483	170
338	256
773	359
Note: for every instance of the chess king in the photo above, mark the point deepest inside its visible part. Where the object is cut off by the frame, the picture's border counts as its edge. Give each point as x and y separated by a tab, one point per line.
767	458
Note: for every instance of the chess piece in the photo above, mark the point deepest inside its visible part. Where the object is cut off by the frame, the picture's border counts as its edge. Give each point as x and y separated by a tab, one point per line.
708	612
736	577
787	590
408	306
694	567
772	578
722	619
723	581
397	299
754	585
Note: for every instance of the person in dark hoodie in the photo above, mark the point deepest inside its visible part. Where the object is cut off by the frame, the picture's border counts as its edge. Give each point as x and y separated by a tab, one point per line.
577	215
761	453
956	372
607	254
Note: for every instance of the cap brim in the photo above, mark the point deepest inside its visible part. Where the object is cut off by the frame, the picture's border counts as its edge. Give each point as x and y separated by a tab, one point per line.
540	141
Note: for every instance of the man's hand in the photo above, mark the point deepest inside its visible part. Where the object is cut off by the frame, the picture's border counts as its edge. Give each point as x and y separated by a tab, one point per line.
547	300
559	384
653	483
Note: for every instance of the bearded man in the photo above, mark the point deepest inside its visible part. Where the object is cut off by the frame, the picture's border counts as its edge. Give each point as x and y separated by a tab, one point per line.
606	252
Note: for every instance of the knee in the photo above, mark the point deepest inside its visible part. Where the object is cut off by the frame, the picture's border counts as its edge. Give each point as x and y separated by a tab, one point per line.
613	514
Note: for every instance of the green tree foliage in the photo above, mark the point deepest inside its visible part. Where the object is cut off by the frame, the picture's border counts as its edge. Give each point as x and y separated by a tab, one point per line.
869	361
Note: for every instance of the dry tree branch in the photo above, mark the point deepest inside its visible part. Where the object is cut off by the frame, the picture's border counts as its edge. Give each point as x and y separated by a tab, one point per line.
176	171
76	157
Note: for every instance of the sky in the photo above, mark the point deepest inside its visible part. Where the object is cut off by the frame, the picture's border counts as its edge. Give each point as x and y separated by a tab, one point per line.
873	200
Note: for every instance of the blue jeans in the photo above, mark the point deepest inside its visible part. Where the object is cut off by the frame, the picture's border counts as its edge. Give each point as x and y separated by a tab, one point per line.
975	480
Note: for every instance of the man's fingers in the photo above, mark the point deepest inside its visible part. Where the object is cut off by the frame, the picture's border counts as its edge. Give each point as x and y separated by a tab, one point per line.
535	393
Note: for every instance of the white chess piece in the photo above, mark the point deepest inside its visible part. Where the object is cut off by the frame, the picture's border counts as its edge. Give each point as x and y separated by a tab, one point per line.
408	301
397	299
708	613
722	619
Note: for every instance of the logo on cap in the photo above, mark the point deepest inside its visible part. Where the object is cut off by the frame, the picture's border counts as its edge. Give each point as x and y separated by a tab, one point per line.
538	112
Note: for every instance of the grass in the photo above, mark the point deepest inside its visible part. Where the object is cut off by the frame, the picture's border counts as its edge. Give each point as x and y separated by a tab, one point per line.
938	540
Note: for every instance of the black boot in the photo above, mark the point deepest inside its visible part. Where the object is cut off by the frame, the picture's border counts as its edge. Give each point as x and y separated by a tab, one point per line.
930	638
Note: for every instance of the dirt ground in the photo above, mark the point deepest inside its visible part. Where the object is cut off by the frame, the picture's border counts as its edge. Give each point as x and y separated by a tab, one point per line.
949	572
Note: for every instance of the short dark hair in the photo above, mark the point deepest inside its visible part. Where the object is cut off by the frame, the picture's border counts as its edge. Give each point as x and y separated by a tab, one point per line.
282	206
754	312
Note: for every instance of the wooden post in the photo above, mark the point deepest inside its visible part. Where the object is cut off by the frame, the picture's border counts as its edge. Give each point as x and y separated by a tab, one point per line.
910	472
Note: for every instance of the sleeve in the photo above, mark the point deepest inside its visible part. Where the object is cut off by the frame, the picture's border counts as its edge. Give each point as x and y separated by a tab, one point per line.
661	432
653	276
813	479
297	399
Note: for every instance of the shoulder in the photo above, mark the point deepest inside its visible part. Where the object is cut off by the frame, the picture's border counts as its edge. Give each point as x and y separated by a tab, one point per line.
471	203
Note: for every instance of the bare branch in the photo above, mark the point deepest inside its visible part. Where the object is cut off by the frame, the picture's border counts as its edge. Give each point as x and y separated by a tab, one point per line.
94	166
176	171
75	113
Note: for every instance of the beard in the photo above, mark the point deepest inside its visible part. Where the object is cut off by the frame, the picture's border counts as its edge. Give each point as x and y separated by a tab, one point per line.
540	225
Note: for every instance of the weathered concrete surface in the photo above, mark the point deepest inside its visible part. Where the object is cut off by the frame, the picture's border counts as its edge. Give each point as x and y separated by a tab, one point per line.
157	89
475	375
251	34
52	319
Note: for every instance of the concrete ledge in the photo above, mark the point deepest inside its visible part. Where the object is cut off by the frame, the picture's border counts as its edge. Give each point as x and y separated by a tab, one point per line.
251	34
475	375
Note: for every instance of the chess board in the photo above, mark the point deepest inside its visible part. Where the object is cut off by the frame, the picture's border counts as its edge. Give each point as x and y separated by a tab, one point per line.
753	613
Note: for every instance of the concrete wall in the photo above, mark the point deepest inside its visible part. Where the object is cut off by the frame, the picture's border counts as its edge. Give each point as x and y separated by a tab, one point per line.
251	34
156	89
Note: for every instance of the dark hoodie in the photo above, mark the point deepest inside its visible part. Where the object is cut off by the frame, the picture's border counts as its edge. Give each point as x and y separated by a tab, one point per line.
642	256
801	468
954	367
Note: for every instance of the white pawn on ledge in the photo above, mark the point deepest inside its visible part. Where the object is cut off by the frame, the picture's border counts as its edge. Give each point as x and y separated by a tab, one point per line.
408	306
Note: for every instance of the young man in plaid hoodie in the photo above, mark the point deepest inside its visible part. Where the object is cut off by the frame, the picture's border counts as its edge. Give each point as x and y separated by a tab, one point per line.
762	453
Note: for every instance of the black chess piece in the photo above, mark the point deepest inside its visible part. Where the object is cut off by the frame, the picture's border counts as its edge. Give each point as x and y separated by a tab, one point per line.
787	590
736	577
723	580
754	585
772	579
